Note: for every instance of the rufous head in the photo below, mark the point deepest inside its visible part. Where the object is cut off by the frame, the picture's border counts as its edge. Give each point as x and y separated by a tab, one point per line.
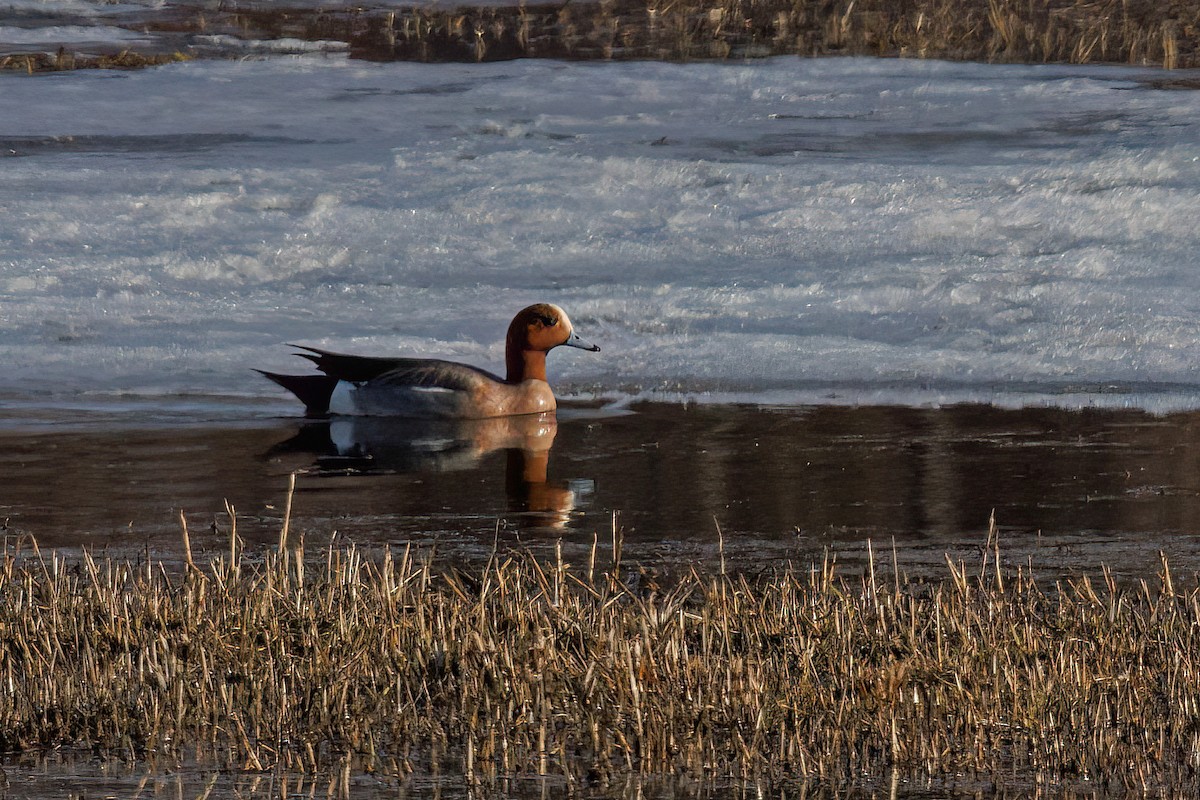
533	332
543	327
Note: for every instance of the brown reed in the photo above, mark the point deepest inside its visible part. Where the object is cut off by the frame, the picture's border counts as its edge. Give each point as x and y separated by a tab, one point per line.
1046	31
1140	32
63	60
542	668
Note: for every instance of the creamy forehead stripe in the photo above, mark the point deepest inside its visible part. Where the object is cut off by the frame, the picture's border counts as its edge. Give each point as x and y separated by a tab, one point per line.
562	316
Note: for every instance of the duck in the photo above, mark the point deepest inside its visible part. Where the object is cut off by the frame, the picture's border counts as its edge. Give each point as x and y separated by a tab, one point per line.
429	388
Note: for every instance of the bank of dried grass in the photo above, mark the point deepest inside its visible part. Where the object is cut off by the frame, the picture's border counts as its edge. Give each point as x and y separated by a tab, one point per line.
1138	32
394	666
1014	31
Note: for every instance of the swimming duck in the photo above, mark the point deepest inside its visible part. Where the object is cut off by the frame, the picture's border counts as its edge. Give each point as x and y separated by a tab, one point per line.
432	388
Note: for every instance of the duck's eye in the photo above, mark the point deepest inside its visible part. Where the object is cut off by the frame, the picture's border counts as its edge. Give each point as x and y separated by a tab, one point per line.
549	322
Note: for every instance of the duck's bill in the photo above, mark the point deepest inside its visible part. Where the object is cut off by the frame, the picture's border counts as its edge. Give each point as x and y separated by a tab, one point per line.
575	340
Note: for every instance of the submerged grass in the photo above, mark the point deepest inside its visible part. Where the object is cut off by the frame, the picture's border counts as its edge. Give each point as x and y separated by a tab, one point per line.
530	668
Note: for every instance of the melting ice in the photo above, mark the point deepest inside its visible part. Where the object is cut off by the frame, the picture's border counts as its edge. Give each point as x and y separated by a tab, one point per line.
788	231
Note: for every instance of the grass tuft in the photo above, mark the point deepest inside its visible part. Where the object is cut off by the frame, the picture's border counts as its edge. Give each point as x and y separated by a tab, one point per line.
529	668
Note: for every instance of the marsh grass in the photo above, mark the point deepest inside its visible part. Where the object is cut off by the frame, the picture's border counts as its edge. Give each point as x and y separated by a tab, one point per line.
386	664
1141	32
1058	31
64	60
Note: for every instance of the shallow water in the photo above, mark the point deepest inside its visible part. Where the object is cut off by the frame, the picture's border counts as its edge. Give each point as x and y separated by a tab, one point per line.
1072	491
71	775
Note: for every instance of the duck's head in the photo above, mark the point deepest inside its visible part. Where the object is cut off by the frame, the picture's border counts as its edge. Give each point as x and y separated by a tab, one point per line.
543	327
535	331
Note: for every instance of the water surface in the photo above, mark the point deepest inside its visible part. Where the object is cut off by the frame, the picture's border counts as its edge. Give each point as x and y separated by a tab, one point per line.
759	487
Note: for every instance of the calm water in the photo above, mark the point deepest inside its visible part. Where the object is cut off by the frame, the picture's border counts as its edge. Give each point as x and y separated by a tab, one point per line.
71	775
1071	490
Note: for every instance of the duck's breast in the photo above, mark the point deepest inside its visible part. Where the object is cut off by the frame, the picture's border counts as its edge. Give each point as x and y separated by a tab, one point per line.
507	399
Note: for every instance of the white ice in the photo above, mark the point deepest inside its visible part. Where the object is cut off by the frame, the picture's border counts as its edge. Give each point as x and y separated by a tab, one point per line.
68	34
784	231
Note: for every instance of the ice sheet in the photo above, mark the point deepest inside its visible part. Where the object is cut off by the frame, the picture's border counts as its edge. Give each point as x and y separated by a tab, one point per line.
67	34
838	230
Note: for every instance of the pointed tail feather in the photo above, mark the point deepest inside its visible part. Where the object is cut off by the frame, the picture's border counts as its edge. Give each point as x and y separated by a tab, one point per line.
313	390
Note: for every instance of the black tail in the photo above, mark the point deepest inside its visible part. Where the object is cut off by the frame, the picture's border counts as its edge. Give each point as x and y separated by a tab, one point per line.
313	390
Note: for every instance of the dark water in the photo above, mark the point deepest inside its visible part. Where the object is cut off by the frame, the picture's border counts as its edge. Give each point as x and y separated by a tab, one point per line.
67	775
1071	490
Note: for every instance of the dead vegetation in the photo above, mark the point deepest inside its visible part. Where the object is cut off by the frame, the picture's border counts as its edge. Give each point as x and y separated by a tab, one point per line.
590	672
65	60
1013	31
1138	32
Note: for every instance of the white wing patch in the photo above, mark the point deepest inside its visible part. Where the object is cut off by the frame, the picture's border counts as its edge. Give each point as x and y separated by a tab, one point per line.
342	399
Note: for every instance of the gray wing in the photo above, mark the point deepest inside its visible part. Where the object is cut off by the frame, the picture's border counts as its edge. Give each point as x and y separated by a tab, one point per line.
426	373
430	373
423	388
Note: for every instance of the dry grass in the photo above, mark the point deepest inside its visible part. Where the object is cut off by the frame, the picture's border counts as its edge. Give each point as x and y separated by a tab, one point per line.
1141	32
590	674
1059	31
63	60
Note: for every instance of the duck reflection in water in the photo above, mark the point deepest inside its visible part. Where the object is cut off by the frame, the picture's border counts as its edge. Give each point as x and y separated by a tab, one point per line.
389	445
